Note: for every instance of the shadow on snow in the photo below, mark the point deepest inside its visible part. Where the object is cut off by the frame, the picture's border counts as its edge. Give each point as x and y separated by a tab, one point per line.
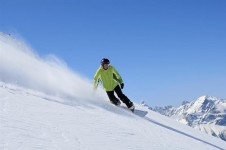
183	133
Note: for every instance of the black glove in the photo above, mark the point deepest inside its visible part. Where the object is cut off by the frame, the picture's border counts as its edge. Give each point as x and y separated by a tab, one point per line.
122	85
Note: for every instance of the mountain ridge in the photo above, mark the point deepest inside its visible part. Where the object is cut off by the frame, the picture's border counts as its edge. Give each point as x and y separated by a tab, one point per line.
207	114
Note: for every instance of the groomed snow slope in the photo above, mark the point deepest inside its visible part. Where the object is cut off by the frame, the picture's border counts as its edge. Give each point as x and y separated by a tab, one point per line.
33	120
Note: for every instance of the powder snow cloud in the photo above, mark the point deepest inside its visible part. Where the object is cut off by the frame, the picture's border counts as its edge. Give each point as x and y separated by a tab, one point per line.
20	65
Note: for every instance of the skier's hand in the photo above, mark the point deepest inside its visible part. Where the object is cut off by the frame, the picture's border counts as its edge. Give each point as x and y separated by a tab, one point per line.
94	88
122	85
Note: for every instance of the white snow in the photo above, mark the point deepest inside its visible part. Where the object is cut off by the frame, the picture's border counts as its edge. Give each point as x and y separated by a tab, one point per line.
44	105
196	106
33	120
212	129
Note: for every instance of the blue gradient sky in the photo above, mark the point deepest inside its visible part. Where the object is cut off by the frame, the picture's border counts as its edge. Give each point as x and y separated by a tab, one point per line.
166	51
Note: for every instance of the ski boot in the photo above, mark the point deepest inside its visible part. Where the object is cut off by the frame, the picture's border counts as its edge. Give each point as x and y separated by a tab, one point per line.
131	106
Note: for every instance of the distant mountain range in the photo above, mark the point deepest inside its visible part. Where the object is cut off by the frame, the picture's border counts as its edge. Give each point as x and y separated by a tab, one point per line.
207	114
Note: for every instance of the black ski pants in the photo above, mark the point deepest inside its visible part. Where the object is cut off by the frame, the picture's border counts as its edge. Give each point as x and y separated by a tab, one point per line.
122	97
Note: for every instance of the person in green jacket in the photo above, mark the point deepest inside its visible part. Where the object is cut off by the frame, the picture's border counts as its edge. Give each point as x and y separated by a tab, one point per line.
111	80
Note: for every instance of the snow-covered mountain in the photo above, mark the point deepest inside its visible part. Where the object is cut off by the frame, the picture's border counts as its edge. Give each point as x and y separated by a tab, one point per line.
44	105
207	114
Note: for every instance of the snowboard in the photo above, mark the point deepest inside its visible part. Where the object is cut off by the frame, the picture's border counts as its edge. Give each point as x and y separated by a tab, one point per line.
137	112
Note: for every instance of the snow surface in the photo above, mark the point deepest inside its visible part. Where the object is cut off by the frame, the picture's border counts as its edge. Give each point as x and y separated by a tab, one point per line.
44	105
34	120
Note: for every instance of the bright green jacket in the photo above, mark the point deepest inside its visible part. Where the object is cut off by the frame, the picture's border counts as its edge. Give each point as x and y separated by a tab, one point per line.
109	78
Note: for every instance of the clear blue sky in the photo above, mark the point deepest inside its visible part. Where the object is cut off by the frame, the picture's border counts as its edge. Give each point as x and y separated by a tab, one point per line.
167	51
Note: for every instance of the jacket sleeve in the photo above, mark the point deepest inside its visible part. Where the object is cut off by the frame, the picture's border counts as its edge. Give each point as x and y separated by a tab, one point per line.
117	76
96	79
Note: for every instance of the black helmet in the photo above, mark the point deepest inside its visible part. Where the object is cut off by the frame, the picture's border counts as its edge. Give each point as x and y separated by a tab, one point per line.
105	61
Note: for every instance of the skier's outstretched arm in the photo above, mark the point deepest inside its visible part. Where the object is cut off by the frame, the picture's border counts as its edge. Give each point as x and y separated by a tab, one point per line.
96	79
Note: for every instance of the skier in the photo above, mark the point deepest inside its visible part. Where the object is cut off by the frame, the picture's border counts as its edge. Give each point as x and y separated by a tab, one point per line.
111	79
